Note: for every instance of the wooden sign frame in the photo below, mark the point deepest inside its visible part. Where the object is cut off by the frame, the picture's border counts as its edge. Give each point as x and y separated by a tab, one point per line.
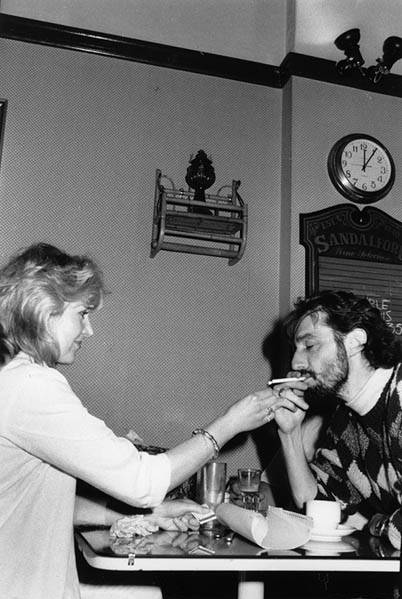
358	250
3	110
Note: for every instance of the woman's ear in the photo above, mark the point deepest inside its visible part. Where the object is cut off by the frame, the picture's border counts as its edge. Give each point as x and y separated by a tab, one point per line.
355	341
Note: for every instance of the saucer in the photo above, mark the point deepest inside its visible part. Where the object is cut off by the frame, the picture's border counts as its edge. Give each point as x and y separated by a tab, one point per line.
327	547
331	535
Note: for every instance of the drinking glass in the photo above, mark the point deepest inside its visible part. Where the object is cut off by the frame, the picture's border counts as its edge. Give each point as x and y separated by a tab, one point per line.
249	485
211	486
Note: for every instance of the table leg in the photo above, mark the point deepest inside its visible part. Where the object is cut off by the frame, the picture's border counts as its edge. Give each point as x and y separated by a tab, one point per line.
249	589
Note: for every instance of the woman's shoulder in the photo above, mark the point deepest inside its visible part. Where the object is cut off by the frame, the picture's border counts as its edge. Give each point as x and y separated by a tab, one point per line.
24	365
22	372
29	389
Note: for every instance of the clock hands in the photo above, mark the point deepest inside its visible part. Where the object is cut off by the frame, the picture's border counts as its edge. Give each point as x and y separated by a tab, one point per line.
365	162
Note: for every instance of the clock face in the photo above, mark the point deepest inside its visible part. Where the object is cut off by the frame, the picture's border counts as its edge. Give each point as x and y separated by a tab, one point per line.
361	168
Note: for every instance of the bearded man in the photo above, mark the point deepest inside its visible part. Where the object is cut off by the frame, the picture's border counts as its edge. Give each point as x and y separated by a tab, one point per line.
345	352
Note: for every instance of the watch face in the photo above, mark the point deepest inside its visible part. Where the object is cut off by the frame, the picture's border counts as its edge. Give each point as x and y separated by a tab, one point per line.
361	168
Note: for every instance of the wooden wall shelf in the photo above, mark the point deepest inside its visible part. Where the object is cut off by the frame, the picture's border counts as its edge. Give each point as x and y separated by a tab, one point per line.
216	227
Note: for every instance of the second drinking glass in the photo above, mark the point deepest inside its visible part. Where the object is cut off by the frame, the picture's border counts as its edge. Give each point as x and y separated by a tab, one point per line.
249	485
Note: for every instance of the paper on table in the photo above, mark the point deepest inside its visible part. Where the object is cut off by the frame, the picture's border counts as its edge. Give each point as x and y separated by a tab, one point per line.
280	529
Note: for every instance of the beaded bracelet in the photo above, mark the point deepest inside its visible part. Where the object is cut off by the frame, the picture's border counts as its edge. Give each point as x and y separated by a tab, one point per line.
211	438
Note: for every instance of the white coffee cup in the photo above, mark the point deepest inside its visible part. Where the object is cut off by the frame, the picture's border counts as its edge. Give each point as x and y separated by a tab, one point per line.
326	515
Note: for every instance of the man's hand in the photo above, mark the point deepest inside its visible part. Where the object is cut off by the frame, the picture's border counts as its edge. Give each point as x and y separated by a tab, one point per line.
290	408
289	415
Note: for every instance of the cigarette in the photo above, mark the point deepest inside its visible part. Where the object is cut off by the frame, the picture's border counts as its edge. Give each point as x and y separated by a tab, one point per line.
204	518
291	379
207	519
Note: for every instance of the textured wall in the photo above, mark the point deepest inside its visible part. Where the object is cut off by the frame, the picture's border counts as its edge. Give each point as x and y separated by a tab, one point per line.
321	114
180	336
247	29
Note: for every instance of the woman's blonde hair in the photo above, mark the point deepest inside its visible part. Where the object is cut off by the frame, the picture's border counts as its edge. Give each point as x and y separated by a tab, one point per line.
35	286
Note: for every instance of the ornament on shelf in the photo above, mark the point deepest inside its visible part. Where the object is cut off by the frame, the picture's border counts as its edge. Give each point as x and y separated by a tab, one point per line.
200	176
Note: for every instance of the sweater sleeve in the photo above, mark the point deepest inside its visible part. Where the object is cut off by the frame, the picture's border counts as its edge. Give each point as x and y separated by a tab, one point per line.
47	419
394	436
394	529
359	461
328	465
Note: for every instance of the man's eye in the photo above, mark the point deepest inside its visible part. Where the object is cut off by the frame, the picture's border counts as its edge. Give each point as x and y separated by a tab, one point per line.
310	346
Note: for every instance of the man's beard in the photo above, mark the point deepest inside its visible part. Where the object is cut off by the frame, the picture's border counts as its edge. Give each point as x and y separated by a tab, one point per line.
323	398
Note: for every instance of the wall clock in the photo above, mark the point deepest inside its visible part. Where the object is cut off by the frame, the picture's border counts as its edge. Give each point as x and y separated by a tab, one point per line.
361	168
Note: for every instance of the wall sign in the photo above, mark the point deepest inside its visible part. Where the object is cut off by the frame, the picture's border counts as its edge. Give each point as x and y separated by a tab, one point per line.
3	109
358	250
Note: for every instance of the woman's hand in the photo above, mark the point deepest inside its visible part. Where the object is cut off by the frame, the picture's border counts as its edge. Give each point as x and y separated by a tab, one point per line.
250	412
246	414
175	515
178	515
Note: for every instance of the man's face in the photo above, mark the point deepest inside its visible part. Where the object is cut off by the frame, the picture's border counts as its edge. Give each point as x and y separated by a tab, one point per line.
321	356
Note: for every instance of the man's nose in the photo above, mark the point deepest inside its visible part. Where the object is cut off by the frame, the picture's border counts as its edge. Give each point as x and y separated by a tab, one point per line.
299	361
88	330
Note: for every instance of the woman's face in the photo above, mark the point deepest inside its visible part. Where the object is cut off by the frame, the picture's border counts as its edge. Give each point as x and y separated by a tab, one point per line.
70	329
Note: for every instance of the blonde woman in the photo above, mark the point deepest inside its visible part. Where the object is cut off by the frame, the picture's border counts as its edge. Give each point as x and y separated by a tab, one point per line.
48	439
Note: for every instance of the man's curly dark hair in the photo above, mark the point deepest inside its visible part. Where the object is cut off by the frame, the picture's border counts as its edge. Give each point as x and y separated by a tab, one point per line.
346	311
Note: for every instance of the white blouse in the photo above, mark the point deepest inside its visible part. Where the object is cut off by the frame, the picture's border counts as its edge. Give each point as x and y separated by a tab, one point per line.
47	440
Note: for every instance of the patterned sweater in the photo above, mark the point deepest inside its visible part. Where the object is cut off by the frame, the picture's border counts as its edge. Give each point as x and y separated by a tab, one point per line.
359	460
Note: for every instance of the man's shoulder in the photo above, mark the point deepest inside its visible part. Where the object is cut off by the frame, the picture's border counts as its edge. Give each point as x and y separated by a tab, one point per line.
398	370
338	421
396	379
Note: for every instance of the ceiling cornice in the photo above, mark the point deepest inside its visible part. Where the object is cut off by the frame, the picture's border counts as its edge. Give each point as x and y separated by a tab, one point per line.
320	69
71	38
300	65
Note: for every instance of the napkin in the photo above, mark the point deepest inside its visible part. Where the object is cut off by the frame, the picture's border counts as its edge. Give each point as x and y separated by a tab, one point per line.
279	529
129	526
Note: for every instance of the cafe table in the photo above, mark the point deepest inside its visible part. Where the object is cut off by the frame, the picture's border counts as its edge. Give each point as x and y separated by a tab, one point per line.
224	552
